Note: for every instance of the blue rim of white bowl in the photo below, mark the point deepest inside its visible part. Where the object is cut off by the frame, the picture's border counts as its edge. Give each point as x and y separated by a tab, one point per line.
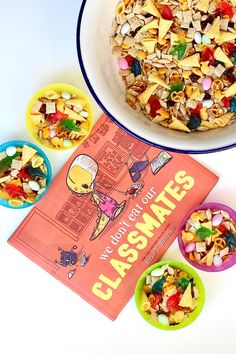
19	143
105	110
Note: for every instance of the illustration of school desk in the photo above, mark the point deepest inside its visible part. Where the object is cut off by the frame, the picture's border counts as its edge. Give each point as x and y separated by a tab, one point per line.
137	167
160	161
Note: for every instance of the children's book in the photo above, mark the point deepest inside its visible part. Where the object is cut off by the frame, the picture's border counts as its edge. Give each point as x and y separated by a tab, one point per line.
111	212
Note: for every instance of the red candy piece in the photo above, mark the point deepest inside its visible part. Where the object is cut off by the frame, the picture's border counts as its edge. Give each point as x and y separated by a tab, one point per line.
173	302
166	13
23	174
197	109
208	55
154	105
130	60
222	228
158	298
224	9
15	191
226	101
231	48
55	117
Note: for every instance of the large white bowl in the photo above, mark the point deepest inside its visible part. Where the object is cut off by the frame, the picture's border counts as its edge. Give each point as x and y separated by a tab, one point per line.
100	71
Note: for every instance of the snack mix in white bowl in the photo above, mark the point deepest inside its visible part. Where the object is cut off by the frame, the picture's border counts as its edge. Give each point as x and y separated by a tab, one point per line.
165	66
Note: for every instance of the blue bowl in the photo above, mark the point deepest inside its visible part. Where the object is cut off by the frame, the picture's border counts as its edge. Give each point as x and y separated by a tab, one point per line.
20	143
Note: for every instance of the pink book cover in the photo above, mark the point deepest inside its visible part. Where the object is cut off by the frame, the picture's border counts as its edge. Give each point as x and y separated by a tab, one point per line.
112	211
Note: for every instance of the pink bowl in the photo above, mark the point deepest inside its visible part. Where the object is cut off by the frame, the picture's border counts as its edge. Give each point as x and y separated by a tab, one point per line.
230	261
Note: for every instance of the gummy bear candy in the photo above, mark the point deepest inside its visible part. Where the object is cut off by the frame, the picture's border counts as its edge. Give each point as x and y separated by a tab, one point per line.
35	172
68	124
233	104
179	49
226	101
55	117
222	228
194	121
230	240
23	174
234	57
197	109
173	302
6	162
183	283
14	191
154	105
175	88
157	300
158	285
203	232
136	68
130	60
231	47
208	55
224	9
166	13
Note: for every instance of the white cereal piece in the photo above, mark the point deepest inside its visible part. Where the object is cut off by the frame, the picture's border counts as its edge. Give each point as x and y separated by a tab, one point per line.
208	214
225	214
50	107
16	164
191	33
200	247
148	279
84	114
197	25
14	173
232	227
27	188
224	252
36	106
2	155
4	179
187	16
219	70
224	24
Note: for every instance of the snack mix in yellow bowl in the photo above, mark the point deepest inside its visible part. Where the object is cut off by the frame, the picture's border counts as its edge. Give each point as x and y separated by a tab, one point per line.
59	116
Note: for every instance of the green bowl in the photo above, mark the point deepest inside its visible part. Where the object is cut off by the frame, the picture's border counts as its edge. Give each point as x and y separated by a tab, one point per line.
190	271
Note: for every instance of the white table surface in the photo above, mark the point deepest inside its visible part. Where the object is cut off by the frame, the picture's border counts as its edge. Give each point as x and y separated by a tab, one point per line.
38	315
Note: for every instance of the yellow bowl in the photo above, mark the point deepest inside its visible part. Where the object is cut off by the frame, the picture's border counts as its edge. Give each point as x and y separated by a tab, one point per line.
59	88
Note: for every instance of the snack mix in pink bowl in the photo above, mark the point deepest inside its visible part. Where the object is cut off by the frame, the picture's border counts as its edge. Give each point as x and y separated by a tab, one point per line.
207	237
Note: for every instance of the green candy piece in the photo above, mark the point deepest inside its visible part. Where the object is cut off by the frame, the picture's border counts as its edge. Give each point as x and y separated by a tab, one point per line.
179	49
203	233
158	285
183	283
67	124
175	88
6	162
